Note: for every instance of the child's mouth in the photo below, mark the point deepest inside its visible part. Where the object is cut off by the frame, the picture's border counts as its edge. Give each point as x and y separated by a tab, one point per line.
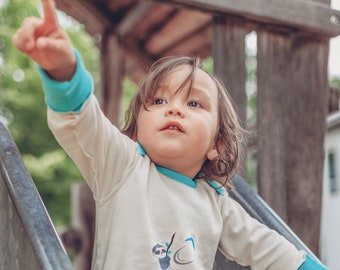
173	126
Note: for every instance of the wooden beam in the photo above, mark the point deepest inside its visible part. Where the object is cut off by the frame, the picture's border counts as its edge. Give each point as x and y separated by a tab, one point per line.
86	13
134	17
190	42
303	15
182	25
111	76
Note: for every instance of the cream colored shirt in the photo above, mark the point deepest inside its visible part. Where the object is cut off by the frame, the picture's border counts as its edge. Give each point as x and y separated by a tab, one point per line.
148	219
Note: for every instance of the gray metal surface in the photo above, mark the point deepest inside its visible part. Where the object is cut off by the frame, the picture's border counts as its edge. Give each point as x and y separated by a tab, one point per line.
258	209
28	237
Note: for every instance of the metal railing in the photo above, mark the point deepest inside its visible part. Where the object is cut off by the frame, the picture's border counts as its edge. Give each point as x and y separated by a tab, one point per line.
28	237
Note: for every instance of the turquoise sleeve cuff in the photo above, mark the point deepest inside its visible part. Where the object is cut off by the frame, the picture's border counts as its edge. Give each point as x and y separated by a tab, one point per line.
67	96
310	264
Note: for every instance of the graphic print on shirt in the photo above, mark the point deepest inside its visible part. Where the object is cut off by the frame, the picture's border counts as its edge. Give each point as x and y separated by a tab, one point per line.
182	248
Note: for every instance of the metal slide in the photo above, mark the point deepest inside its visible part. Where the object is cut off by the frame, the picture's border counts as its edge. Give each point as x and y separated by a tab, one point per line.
258	209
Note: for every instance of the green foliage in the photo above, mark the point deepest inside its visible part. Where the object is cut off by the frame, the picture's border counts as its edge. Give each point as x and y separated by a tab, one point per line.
208	65
130	90
22	106
335	82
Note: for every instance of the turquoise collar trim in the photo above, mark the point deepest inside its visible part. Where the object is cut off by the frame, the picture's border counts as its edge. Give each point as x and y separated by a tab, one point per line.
170	173
180	177
177	176
141	150
219	189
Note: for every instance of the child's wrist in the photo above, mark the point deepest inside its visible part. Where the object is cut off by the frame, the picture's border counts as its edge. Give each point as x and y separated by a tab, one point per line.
65	73
67	96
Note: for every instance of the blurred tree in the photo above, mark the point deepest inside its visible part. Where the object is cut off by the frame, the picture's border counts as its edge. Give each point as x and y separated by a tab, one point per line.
22	107
335	82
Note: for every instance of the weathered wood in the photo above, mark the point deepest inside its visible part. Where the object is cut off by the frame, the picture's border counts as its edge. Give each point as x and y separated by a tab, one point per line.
230	64
306	16
272	54
306	142
158	15
292	105
333	103
87	13
134	18
201	36
111	76
79	237
180	26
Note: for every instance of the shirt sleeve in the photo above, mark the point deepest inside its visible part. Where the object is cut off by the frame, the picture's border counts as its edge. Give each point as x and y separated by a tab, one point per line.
311	264
248	242
68	96
97	147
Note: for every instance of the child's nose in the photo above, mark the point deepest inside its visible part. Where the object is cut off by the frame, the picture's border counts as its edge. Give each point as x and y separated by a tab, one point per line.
174	110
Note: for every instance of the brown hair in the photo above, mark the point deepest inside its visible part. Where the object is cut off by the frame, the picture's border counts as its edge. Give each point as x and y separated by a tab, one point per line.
229	135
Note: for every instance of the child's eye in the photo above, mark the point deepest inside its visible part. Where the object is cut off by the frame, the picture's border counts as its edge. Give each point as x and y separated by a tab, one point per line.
158	101
194	103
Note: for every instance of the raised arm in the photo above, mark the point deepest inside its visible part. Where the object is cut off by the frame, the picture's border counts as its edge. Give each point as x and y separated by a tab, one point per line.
47	43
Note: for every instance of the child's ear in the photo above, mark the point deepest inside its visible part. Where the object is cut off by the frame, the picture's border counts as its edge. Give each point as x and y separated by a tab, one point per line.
212	154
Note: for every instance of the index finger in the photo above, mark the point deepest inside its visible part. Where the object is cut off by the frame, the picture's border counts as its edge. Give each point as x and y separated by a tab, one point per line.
50	14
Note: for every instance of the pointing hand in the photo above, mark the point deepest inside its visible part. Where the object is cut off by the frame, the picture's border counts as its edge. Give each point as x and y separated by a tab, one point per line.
47	43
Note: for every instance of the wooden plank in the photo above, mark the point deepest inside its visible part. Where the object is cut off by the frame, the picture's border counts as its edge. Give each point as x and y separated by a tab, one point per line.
117	5
111	76
133	19
153	20
272	120
303	15
86	13
292	102
79	236
230	65
192	44
171	32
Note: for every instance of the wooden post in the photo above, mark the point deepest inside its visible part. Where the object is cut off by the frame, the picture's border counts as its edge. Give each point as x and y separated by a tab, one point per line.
228	47
111	76
292	108
333	103
79	237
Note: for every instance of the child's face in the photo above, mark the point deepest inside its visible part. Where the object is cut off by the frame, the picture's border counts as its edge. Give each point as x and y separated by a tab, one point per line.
178	129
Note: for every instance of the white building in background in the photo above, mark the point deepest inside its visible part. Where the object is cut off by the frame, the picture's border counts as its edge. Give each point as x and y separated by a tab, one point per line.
330	221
